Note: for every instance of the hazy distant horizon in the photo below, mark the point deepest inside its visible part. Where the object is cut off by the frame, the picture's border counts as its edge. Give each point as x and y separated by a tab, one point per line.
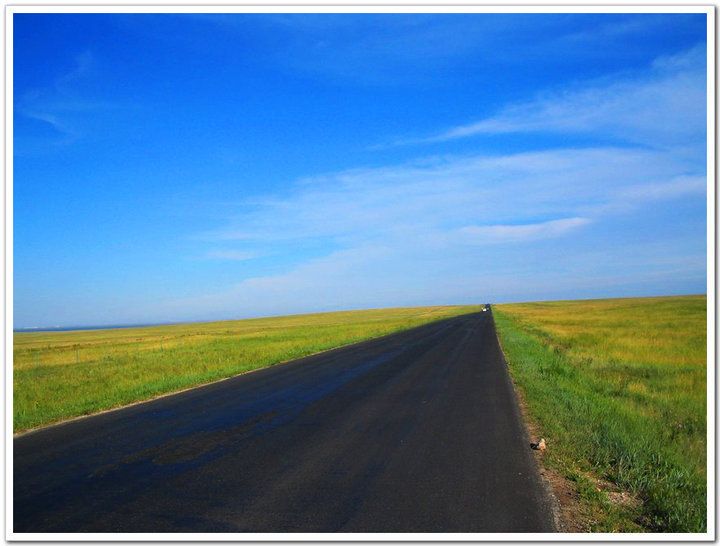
65	328
189	167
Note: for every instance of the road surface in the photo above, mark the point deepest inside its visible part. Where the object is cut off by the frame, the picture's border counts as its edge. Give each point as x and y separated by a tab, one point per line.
418	431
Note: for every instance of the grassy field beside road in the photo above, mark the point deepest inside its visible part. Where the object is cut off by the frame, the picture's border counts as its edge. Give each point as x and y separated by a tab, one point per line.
59	375
618	389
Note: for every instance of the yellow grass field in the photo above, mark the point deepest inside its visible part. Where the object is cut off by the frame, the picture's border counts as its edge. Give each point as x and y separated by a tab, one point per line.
59	375
619	387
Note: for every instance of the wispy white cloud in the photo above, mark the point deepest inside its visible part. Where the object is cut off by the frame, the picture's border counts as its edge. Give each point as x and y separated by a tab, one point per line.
381	275
61	103
53	120
507	233
665	105
676	187
83	65
392	49
446	229
230	255
448	193
452	228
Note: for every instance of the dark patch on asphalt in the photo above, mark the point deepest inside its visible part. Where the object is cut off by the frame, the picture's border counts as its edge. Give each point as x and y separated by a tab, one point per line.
418	431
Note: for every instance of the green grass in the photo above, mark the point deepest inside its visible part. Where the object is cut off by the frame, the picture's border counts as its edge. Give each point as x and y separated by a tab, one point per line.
618	388
59	375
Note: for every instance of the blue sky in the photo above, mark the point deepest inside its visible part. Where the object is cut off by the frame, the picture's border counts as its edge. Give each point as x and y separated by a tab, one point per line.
205	166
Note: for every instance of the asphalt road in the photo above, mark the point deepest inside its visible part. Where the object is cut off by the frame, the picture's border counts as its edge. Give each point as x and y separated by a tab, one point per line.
414	432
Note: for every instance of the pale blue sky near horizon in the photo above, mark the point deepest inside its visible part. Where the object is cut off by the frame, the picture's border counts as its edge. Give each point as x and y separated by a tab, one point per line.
212	166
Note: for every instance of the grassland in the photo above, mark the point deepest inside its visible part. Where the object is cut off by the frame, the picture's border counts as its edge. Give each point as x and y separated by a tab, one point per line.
59	375
618	389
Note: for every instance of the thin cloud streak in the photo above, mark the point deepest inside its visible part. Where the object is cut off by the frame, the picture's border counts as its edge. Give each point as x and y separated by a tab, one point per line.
62	104
230	255
664	106
496	234
449	193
